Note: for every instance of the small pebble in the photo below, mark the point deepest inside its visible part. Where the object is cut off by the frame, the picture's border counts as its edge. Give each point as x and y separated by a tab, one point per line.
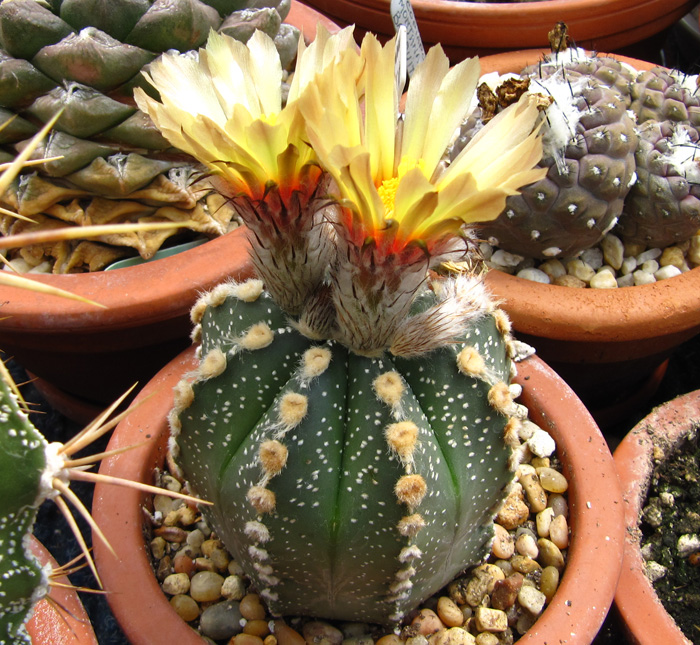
626	280
221	621
427	622
176	583
552	480
233	588
505	259
449	613
649	254
183	563
550	554
543	520
514	510
534	492
532	599
526	545
205	586
491	620
673	256
579	269
246	639
259	628
487	638
613	250
687	544
506	591
287	635
185	607
694	250
559	532
452	636
503	545
669	271
570	281
541	443
523	564
252	608
603	280
628	265
593	258
642	277
654	571
549	582
158	547
534	275
553	268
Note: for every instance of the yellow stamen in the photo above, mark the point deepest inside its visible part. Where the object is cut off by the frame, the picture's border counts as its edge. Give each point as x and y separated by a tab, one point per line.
387	193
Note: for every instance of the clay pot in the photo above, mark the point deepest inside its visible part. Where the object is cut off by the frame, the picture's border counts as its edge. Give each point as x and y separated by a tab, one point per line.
595	554
469	28
50	625
85	357
611	346
645	619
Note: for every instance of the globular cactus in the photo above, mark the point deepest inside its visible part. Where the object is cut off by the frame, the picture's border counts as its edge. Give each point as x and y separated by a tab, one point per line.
347	486
25	459
356	441
589	145
660	94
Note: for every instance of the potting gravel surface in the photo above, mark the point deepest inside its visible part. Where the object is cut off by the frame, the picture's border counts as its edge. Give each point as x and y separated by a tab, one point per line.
671	533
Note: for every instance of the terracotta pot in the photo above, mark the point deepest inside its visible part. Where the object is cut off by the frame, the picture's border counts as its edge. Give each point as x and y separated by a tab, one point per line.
50	625
578	608
468	28
644	617
611	346
86	357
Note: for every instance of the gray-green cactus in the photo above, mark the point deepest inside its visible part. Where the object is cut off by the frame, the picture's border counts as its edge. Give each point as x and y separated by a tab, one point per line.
347	487
24	459
590	141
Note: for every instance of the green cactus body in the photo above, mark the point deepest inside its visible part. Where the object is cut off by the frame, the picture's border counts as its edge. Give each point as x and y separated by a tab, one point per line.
23	461
348	487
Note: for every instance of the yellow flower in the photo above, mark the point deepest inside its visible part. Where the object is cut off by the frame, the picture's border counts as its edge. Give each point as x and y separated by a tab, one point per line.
225	108
389	168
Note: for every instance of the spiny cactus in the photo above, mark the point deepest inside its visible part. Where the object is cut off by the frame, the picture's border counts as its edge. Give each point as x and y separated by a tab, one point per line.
354	431
112	165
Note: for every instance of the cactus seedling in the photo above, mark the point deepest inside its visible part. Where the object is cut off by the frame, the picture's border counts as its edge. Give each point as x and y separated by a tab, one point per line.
356	442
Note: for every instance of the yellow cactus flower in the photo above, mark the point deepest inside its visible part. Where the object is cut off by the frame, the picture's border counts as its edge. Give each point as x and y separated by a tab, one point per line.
225	108
389	167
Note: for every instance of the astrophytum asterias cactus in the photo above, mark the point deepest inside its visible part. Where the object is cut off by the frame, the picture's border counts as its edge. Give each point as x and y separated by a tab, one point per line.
351	418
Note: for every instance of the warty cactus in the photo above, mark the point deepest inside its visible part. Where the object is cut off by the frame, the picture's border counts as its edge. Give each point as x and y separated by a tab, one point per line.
351	418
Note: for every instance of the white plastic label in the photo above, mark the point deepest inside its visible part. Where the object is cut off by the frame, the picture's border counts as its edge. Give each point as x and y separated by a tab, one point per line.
403	16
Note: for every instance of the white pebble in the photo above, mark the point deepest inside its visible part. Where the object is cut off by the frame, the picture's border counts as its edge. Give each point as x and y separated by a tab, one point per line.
688	544
603	280
626	280
655	571
580	269
505	259
649	254
553	268
669	271
541	443
486	250
532	599
593	258
629	264
534	275
650	266
642	277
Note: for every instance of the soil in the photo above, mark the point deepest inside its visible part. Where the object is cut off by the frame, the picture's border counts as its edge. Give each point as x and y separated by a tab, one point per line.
672	510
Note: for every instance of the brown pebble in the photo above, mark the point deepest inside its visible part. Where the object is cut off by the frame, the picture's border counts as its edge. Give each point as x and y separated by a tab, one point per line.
427	622
164	568
389	639
286	635
452	636
524	565
558	504
204	564
569	281
536	495
503	546
506	591
550	554
182	563
158	546
171	533
449	613
251	608
185	606
549	581
552	480
270	640
559	532
514	510
246	639
257	627
486	638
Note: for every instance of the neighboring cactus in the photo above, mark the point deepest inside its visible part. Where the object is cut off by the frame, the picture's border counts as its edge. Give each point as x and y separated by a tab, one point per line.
589	144
354	430
86	57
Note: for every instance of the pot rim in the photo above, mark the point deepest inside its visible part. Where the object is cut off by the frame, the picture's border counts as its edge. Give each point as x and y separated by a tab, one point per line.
67	623
643	613
595	553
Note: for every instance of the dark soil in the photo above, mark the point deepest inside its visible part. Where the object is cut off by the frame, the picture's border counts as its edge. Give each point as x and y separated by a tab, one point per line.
673	510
